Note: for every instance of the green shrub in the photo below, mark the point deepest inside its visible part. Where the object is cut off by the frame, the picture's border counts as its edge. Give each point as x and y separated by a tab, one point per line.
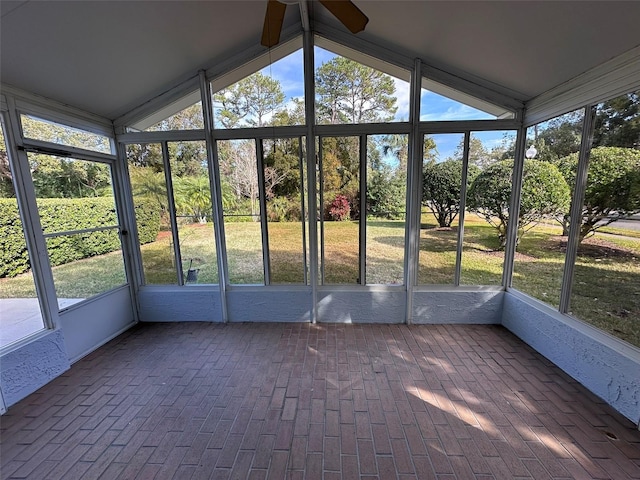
63	214
545	193
613	186
148	215
14	258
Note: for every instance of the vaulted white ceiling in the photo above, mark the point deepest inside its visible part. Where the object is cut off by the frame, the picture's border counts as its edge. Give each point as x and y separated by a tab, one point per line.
107	57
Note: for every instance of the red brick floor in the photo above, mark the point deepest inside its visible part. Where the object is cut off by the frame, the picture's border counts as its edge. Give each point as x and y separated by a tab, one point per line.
292	401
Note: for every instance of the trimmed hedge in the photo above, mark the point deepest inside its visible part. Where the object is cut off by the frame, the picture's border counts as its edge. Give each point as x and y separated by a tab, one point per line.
62	214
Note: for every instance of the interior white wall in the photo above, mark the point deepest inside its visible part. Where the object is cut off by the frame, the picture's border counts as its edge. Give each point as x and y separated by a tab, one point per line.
90	324
605	365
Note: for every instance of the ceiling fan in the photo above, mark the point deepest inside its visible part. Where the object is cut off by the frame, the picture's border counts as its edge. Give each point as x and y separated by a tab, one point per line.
344	10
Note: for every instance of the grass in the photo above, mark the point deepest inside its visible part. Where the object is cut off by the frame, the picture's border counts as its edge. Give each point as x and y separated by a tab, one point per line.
606	289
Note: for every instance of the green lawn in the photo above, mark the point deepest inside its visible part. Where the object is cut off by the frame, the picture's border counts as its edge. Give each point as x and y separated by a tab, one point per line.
606	289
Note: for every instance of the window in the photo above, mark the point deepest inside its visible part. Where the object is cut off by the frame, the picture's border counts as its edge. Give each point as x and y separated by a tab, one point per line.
80	225
485	225
439	102
48	131
193	211
189	118
442	168
350	92
362	229
386	194
242	211
605	290
544	212
272	96
340	209
284	178
153	217
175	229
21	313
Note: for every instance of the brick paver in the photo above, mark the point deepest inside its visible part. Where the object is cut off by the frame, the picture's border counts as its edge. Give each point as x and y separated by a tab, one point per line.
295	401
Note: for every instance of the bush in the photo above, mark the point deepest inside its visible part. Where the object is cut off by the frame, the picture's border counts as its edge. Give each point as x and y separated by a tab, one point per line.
442	186
544	193
613	186
339	209
283	209
62	214
148	216
14	258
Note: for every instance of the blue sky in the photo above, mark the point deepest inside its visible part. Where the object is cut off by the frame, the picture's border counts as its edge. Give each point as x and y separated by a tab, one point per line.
289	72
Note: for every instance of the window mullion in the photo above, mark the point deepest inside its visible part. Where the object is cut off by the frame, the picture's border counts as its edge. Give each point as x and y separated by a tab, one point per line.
302	212
363	211
462	208
172	212
263	210
575	222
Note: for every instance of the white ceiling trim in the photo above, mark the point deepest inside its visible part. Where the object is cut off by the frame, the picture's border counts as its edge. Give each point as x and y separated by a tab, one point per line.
54	111
617	76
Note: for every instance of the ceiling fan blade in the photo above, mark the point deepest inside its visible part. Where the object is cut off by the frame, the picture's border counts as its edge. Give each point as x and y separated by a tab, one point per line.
346	11
273	23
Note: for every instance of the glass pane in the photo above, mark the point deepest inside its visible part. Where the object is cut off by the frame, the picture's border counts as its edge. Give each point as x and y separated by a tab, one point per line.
194	211
189	118
488	208
147	176
441	193
439	102
350	92
539	263
340	173
20	313
77	195
48	131
87	265
287	254
606	283
386	203
241	210
273	96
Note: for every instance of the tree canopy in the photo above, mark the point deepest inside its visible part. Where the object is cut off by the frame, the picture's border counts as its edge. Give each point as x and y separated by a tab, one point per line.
441	188
613	185
544	193
349	92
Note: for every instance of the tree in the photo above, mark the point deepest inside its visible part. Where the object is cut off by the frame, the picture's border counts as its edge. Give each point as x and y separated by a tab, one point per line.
189	118
349	92
613	186
147	183
58	177
441	188
618	122
193	196
251	100
544	193
478	154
